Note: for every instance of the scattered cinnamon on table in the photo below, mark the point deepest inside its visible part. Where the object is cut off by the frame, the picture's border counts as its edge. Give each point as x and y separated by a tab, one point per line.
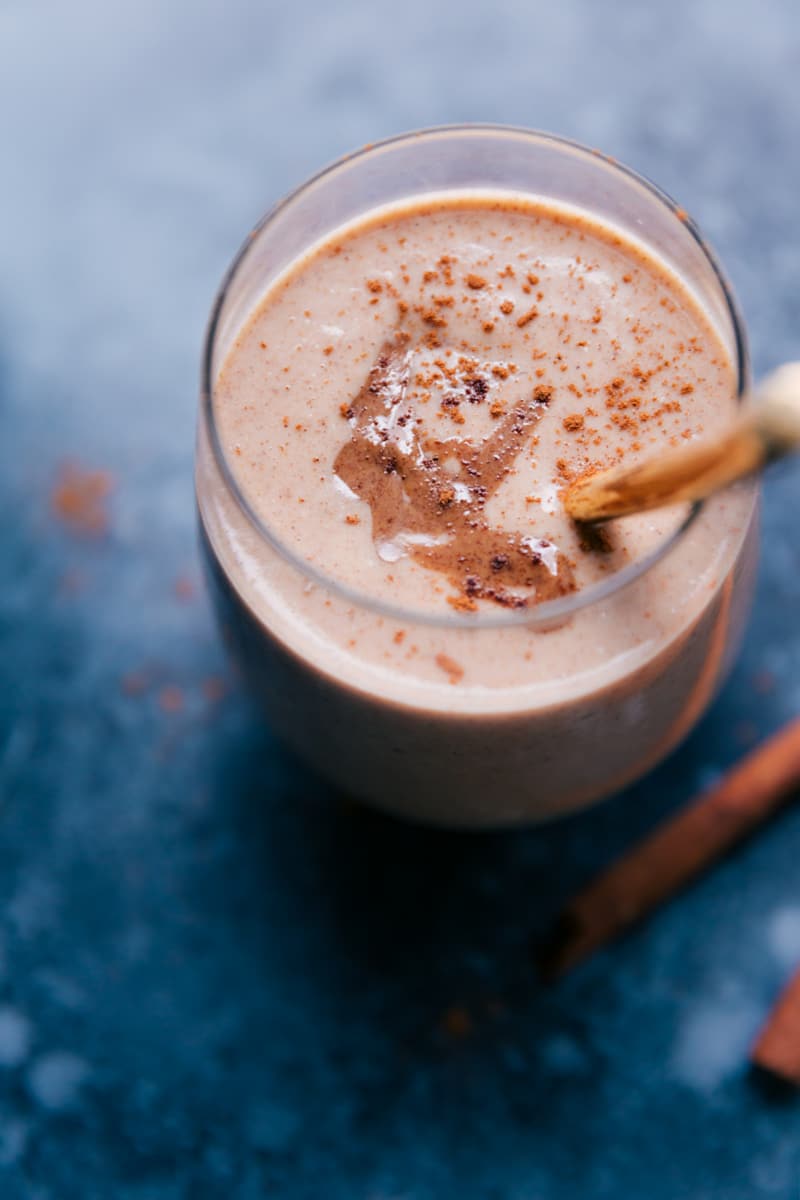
677	852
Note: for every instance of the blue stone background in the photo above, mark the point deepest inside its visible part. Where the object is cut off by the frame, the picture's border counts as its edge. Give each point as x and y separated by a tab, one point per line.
216	979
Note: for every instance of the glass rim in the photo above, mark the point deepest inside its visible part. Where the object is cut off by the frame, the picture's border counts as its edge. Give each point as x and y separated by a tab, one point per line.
547	611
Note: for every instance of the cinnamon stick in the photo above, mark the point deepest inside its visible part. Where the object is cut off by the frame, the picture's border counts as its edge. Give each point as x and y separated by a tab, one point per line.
777	1047
762	432
677	852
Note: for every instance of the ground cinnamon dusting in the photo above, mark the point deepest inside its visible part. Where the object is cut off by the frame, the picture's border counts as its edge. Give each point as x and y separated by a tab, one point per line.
134	683
527	317
184	588
213	689
462	604
79	499
450	667
170	699
457	1023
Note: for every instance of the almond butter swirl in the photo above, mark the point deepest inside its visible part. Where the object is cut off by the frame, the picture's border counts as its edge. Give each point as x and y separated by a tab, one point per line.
427	496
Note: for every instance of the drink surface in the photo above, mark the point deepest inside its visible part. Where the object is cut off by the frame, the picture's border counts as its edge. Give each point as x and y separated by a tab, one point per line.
404	407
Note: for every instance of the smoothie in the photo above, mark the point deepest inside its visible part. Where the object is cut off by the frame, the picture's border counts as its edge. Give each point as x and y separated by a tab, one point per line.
398	416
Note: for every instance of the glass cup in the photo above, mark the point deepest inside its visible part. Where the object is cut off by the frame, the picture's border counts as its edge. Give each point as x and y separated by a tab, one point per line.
396	733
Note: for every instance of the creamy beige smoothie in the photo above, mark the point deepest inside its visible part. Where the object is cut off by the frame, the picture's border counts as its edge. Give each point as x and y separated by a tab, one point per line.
401	412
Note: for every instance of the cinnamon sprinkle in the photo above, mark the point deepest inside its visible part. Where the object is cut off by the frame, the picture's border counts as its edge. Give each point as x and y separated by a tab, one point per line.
462	603
456	1022
79	499
213	689
134	683
170	699
184	588
450	667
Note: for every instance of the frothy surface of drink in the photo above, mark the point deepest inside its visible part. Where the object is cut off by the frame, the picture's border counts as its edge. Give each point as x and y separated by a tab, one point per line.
409	400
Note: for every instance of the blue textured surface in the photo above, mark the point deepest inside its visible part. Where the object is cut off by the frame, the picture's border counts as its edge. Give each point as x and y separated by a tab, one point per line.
213	980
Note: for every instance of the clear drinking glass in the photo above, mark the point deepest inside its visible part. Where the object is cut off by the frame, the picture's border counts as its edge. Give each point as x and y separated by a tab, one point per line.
398	735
